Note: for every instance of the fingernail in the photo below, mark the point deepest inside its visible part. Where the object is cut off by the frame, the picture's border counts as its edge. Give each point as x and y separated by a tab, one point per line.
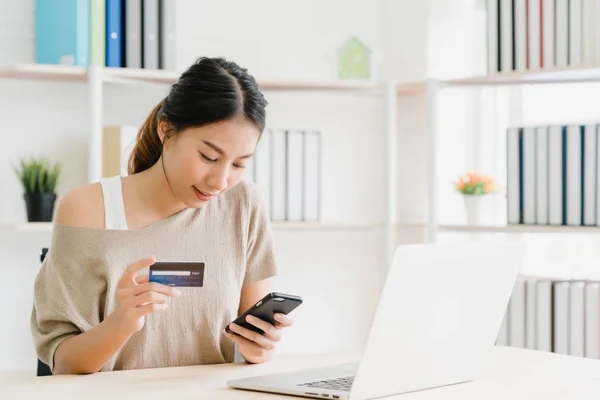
176	292
278	317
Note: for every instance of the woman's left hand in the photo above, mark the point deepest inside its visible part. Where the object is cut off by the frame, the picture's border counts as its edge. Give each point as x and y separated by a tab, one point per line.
257	348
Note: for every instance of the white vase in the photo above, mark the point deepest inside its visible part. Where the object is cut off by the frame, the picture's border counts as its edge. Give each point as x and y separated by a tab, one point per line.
477	209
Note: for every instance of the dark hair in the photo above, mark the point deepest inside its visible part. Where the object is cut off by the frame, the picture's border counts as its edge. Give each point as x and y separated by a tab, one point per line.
211	90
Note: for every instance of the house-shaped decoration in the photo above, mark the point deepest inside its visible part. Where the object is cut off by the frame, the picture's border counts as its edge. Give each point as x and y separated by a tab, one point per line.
354	60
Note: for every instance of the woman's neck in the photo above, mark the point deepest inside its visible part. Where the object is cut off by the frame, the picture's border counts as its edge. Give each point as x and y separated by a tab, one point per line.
148	197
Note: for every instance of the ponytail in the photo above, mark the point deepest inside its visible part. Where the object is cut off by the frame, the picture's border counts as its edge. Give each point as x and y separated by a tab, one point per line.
148	147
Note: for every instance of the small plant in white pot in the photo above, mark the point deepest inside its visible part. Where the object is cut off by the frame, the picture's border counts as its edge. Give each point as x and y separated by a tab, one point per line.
476	190
39	180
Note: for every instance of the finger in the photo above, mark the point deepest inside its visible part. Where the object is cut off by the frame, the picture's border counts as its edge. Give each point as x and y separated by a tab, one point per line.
241	341
128	277
140	279
283	320
252	336
269	329
149	287
150	308
144	298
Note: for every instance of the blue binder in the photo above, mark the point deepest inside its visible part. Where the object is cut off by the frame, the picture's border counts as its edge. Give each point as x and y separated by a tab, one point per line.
62	32
114	31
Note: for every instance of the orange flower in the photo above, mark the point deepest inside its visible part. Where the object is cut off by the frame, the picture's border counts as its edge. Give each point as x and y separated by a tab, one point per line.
461	184
489	187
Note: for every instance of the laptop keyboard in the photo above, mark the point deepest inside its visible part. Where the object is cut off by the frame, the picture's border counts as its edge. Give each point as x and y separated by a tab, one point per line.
342	384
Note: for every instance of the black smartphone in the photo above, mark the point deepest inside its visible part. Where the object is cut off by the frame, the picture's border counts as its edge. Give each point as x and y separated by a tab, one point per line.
273	303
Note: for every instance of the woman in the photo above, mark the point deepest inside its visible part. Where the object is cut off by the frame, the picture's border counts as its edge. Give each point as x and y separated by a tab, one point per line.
182	201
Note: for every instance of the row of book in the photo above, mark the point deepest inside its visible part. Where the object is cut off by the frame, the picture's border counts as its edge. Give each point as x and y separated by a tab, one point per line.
553	175
286	167
542	34
559	316
112	33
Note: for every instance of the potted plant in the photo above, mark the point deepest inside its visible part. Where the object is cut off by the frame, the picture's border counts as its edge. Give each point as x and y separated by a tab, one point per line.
39	180
476	189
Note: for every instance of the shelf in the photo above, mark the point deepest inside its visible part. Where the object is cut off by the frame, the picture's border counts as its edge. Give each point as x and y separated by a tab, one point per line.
46	72
125	75
329	226
542	76
317	226
519	229
411	89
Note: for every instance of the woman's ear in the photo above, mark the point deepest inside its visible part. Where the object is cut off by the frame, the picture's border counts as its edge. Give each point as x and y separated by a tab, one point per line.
164	130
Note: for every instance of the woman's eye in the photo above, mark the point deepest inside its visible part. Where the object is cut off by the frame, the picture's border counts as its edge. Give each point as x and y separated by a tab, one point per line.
208	159
239	166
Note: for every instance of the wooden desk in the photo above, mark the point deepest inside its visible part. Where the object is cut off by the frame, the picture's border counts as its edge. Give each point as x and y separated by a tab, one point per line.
513	374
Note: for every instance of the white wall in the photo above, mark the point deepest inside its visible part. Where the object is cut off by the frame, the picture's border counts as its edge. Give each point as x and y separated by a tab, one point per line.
337	272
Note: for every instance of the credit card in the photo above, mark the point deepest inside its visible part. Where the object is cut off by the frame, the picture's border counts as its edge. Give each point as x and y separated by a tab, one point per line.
179	274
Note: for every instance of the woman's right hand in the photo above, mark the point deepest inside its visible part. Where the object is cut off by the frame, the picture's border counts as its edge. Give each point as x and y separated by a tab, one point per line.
138	297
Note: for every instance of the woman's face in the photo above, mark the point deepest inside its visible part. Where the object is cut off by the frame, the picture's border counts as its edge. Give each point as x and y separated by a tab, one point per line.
201	163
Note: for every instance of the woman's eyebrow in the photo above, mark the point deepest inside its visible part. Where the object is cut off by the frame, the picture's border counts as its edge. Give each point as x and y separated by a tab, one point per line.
221	151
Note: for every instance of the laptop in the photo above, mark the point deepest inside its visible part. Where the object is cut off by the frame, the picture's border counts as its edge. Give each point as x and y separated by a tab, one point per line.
438	316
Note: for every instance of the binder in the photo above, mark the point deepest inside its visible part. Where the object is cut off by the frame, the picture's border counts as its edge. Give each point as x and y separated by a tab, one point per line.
506	35
562	33
312	176
150	34
589	31
548	34
534	14
492	36
295	175
62	32
133	33
561	324
577	319
575	32
113	33
513	175
529	176
517	315
541	176
117	144
589	174
168	55
262	167
544	307
98	32
531	314
520	32
555	175
592	320
574	178
278	175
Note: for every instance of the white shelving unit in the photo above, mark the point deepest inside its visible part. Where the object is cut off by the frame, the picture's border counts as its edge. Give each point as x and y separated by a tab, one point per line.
568	75
96	77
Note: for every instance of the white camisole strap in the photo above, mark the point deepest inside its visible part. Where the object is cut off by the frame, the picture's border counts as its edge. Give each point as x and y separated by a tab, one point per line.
114	208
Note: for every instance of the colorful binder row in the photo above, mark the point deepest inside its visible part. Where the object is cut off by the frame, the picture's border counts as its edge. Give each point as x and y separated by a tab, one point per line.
112	33
287	169
542	34
559	316
553	175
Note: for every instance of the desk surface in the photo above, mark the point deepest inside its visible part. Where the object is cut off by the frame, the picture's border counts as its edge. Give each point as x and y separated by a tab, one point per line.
512	374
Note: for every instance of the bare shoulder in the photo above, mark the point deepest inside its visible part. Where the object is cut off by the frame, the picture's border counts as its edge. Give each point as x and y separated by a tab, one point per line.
83	207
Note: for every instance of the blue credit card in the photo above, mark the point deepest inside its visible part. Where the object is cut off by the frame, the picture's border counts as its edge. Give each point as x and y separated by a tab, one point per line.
180	274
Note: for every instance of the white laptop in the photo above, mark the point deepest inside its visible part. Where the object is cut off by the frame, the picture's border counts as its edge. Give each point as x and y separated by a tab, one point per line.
438	317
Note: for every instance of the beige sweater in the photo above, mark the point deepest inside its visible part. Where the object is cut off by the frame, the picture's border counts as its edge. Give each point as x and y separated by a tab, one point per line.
75	289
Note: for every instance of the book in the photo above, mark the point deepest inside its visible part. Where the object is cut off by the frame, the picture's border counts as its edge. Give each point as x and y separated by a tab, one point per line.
62	32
